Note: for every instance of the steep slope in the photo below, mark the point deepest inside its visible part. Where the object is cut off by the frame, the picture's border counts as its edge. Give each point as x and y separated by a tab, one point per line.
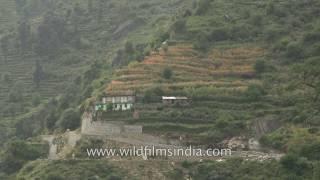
218	82
56	45
251	68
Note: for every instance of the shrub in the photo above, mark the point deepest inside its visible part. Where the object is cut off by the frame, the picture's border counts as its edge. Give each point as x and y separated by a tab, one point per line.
312	37
220	34
270	8
272	33
54	176
6	77
187	13
294	163
311	151
153	94
179	26
256	20
241	32
18	153
167	73
260	66
255	92
202	42
15	94
36	99
203	7
294	51
70	119
129	48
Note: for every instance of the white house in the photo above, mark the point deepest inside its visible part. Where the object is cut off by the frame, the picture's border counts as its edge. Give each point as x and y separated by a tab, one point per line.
120	100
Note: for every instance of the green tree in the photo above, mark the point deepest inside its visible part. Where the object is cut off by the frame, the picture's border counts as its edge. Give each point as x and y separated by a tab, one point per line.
18	153
38	73
36	99
179	26
307	78
70	119
24	33
316	171
51	34
294	163
15	94
6	78
203	7
260	66
167	73
255	92
129	49
202	42
295	51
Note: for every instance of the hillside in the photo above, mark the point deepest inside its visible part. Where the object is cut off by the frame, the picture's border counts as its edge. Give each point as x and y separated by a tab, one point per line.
217	83
249	69
50	51
231	68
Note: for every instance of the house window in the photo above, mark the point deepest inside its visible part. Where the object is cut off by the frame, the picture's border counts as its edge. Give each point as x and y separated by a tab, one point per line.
117	107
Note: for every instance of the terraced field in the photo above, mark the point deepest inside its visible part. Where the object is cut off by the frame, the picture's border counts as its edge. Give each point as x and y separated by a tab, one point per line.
225	68
20	72
225	71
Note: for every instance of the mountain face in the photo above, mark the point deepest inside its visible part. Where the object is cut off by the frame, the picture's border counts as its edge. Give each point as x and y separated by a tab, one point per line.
204	73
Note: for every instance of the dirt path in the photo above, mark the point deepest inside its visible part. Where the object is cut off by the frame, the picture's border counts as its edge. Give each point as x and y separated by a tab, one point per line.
72	138
52	147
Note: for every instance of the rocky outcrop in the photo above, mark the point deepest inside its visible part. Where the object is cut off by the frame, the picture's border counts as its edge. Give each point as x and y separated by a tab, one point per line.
265	125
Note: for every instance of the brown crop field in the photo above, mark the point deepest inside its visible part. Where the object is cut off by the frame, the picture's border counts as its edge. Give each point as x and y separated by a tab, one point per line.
190	69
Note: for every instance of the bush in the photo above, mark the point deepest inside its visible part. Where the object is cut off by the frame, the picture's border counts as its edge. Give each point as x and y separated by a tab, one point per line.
179	26
220	34
36	99
167	73
129	48
294	51
15	94
202	42
294	163
70	119
18	153
203	7
311	151
242	32
256	20
312	37
255	92
153	94
260	66
6	78
272	33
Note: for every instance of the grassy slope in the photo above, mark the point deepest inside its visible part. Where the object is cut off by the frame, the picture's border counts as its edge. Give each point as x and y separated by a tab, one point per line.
104	38
71	62
222	104
252	31
226	72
